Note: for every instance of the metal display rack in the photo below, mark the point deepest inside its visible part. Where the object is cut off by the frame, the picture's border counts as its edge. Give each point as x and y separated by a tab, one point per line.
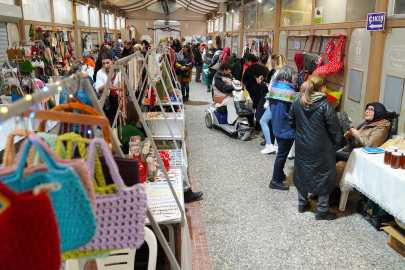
76	82
120	66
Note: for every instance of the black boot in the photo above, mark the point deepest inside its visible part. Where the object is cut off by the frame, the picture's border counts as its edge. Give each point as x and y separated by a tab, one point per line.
283	176
208	89
190	196
313	197
303	208
279	186
263	143
325	215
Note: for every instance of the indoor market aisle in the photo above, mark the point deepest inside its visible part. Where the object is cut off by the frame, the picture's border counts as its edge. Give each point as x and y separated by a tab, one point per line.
249	226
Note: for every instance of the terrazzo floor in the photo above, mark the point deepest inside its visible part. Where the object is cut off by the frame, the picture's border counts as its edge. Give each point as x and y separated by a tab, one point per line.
249	226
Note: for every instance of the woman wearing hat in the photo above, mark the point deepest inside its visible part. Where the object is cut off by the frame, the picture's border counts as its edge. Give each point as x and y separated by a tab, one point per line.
86	59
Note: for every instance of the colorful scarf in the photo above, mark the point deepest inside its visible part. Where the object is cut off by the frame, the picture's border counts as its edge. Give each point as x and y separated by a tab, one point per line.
283	91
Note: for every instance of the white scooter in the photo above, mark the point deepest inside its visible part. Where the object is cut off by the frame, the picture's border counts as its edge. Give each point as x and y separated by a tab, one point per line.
244	106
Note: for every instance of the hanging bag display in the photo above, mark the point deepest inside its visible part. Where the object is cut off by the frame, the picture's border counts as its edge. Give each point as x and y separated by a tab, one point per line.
29	236
333	66
311	60
9	151
121	216
73	210
299	57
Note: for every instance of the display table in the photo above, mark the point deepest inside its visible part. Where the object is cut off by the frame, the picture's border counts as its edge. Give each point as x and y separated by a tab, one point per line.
380	183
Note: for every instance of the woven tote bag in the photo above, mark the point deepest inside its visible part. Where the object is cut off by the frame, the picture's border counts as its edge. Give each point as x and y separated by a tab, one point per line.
129	171
9	151
29	234
333	66
75	216
120	217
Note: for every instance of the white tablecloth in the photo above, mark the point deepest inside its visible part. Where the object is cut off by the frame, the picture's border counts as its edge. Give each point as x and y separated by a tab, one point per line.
380	183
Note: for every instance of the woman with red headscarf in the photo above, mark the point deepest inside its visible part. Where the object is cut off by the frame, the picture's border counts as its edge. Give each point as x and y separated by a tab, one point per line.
226	57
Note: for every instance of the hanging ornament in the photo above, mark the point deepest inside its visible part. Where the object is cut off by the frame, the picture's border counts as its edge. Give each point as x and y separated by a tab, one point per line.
31	32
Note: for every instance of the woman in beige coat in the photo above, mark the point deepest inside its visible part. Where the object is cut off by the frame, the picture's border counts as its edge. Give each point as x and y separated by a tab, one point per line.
184	70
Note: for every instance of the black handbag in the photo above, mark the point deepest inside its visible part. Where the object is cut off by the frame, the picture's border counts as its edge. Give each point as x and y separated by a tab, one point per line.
186	74
311	60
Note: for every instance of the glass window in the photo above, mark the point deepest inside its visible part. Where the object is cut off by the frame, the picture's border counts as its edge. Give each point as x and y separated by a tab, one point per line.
248	1
94	17
63	14
250	17
228	22
296	12
122	23
236	20
399	6
221	23
104	22
111	23
82	15
234	5
267	14
216	27
37	10
118	23
354	13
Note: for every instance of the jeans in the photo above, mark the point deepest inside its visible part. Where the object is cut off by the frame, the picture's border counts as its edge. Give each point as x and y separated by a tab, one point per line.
198	70
284	146
185	88
323	200
206	76
260	110
265	123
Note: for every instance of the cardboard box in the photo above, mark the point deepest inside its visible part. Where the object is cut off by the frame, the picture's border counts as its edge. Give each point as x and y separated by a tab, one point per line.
395	239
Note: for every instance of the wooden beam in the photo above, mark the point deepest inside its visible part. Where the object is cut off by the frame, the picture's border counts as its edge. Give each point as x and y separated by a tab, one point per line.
204	9
196	11
121	2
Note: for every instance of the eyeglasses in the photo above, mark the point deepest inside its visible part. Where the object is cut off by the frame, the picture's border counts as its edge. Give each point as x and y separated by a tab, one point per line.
370	109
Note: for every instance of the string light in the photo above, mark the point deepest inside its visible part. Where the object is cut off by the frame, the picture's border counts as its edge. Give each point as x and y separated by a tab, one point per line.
44	100
59	88
1	127
28	97
70	95
4	110
57	81
89	131
32	115
45	89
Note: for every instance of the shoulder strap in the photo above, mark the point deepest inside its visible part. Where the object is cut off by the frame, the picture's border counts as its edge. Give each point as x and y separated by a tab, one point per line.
312	44
305	45
320	46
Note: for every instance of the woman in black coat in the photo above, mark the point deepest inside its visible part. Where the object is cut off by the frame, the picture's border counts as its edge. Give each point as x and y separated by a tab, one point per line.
318	130
176	46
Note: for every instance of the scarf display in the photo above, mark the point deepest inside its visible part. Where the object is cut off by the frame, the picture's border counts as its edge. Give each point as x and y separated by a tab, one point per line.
224	55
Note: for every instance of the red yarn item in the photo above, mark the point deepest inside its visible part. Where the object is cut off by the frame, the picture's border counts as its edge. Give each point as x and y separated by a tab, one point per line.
29	237
333	66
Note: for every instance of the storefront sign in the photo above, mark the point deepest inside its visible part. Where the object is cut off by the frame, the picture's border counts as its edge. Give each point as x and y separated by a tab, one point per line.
396	57
357	57
318	15
376	21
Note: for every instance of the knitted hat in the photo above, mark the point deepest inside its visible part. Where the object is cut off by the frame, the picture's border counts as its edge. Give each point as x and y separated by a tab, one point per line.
26	67
34	50
209	41
86	54
26	82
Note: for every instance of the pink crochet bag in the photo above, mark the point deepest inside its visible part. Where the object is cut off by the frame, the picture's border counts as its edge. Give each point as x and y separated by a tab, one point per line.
333	66
120	217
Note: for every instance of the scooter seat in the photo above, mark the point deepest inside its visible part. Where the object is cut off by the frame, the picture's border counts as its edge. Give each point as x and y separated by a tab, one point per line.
222	109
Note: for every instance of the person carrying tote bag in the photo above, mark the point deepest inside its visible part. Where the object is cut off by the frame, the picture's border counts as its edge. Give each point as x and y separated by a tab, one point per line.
333	66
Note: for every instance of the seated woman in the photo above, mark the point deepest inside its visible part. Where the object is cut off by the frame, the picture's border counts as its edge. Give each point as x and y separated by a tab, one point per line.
222	87
372	132
130	129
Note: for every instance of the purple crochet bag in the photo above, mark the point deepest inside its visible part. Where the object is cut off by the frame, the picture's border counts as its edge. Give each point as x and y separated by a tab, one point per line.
120	217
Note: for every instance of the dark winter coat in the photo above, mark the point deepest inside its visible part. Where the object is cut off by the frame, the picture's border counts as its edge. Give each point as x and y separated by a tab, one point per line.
125	52
197	57
176	47
237	68
317	131
254	89
117	50
99	65
263	85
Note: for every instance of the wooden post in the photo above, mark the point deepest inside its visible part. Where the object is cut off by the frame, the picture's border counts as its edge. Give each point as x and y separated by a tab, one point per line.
277	27
376	59
242	17
76	32
21	22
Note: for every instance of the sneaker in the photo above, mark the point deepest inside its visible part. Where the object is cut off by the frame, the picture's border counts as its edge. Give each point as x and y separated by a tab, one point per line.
279	186
325	215
268	149
190	196
303	208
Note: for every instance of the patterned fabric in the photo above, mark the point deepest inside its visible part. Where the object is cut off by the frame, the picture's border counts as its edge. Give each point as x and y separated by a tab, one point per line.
283	91
333	66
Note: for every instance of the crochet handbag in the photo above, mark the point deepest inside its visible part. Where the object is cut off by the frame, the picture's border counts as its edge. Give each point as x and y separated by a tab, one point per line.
29	234
299	58
311	60
9	151
333	66
76	220
128	168
121	216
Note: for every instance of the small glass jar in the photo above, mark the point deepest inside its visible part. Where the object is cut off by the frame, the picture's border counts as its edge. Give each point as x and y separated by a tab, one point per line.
387	156
396	160
393	148
402	164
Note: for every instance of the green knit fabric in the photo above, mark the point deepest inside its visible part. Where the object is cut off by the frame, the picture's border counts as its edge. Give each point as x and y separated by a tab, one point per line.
129	131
